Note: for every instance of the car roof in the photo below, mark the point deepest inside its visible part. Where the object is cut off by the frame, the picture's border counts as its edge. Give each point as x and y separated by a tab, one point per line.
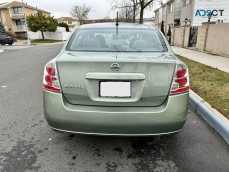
113	25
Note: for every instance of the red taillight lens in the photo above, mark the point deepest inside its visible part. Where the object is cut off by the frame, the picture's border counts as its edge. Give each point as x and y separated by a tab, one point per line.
181	73
51	79
50	70
181	80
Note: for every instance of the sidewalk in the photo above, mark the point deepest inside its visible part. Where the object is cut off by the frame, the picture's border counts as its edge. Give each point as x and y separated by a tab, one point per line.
20	42
219	62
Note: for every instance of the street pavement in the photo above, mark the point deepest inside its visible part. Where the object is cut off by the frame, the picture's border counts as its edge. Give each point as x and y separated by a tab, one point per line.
13	47
28	144
219	62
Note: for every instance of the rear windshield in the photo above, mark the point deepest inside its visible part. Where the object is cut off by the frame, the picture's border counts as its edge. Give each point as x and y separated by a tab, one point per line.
121	40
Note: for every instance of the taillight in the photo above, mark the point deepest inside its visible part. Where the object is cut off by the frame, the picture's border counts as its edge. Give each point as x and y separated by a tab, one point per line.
180	81
51	80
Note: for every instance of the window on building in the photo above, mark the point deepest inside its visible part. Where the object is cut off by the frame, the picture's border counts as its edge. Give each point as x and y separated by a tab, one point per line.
69	22
164	11
17	10
170	8
19	22
186	2
176	22
156	15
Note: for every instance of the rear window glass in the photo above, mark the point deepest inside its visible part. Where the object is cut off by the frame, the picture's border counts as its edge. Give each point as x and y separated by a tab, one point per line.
121	40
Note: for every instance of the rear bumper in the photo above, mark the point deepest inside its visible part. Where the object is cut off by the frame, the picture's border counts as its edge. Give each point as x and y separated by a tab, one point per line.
124	121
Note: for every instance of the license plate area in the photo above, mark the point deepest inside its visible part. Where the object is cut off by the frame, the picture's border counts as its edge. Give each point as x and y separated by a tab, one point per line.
115	89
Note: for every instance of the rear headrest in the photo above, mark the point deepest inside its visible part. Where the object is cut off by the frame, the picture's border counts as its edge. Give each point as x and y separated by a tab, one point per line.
140	44
92	43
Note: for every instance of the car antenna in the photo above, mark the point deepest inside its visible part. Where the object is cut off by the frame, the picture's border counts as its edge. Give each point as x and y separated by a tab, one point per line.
117	24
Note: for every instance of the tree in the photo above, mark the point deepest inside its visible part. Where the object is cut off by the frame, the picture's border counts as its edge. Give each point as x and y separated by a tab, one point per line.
162	27
136	5
64	25
127	9
2	29
169	34
80	12
126	13
143	5
40	22
135	9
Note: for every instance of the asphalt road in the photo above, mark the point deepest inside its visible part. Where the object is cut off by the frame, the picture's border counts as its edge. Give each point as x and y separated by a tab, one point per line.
28	144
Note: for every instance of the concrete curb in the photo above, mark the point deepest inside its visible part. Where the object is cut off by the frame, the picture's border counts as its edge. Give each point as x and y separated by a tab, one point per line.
207	52
213	117
35	44
49	43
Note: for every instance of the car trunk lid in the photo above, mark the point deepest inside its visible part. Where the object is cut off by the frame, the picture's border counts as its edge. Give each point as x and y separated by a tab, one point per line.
149	76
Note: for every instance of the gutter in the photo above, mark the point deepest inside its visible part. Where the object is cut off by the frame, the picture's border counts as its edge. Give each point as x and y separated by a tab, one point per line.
215	119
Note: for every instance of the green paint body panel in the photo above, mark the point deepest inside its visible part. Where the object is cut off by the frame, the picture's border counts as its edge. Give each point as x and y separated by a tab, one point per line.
130	121
150	74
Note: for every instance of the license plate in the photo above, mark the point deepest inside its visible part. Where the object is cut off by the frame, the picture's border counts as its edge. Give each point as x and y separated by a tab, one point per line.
115	89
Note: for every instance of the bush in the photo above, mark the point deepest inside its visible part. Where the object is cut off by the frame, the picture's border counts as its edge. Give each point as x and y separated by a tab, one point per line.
163	27
64	25
2	29
169	34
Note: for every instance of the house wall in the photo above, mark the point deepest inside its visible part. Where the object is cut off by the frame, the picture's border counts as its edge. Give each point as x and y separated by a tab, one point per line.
156	18
201	37
186	11
211	38
46	14
218	38
170	18
177	36
1	16
29	11
186	36
6	14
6	20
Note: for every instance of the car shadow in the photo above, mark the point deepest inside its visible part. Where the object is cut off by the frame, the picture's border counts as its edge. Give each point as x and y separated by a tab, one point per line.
113	152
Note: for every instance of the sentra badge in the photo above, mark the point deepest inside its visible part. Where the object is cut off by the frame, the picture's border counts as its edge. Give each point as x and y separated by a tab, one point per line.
73	86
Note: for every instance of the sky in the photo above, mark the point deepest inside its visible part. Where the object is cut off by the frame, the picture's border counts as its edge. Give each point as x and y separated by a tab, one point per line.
59	8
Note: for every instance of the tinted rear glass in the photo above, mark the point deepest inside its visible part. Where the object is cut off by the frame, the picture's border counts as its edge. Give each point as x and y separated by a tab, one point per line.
108	40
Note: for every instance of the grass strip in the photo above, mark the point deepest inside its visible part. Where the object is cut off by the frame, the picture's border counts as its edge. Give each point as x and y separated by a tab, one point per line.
44	41
209	83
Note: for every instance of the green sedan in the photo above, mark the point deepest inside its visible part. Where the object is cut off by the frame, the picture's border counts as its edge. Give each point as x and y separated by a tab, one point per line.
116	79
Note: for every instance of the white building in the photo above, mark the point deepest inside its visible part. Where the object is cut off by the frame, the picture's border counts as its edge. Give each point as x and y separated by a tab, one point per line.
71	22
192	12
203	8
